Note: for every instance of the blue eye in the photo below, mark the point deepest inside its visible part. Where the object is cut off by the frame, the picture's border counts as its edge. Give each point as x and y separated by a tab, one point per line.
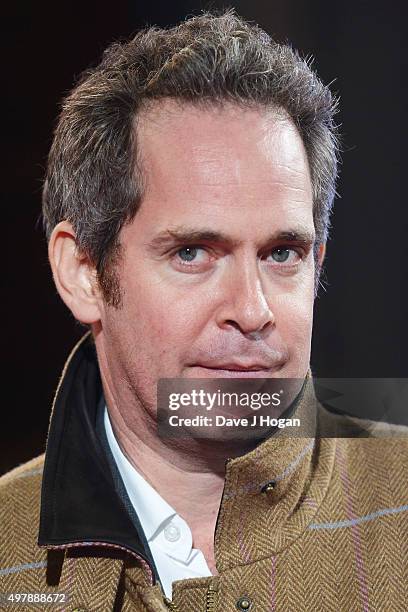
187	253
281	255
284	255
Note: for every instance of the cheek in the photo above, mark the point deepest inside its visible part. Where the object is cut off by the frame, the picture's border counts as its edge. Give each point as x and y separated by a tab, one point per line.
166	317
294	318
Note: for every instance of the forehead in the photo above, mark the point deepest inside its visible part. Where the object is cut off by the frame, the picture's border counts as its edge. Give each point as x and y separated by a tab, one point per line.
222	164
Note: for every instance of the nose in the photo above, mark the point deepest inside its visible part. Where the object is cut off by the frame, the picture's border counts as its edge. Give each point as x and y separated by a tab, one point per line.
245	305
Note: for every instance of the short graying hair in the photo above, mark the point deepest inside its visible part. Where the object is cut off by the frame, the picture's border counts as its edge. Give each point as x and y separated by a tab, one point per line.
93	176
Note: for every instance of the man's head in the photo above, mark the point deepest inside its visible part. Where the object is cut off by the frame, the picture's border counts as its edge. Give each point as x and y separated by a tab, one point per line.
93	178
187	202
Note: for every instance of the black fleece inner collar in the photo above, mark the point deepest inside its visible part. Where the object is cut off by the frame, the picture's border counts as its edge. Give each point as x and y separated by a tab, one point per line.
83	498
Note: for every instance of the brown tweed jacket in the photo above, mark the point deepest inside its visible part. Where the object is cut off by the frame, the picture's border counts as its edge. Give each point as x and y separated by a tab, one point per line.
330	533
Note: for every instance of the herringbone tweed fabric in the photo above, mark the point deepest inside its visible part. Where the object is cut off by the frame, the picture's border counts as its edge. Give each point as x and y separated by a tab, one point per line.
339	542
331	535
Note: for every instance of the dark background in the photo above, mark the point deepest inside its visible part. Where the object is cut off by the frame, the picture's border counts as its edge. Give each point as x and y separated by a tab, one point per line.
360	320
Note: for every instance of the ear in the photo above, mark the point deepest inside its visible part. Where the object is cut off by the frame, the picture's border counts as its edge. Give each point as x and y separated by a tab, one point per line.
321	254
74	275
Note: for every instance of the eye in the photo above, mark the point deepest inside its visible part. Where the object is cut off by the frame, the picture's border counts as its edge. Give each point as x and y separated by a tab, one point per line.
187	254
192	259
285	255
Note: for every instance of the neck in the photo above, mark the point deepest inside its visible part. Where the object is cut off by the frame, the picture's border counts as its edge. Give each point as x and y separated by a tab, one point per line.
188	474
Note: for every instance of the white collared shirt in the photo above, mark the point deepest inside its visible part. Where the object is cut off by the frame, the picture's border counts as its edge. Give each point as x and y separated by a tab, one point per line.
168	535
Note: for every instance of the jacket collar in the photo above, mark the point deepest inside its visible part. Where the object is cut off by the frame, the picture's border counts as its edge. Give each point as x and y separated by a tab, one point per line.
257	520
80	504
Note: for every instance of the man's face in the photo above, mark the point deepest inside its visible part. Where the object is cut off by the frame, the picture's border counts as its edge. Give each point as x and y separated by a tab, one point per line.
218	269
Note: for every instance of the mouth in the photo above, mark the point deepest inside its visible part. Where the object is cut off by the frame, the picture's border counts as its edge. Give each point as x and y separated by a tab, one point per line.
232	371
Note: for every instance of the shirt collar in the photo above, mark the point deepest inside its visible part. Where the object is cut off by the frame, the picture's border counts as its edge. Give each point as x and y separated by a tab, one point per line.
153	511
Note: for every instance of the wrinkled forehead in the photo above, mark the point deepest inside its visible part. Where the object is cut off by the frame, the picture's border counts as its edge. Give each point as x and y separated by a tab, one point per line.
228	170
219	147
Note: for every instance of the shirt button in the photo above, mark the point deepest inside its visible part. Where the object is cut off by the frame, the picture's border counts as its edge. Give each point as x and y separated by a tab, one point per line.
172	533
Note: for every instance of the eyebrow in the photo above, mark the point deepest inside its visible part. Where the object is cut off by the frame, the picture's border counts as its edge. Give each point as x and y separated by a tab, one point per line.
185	235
